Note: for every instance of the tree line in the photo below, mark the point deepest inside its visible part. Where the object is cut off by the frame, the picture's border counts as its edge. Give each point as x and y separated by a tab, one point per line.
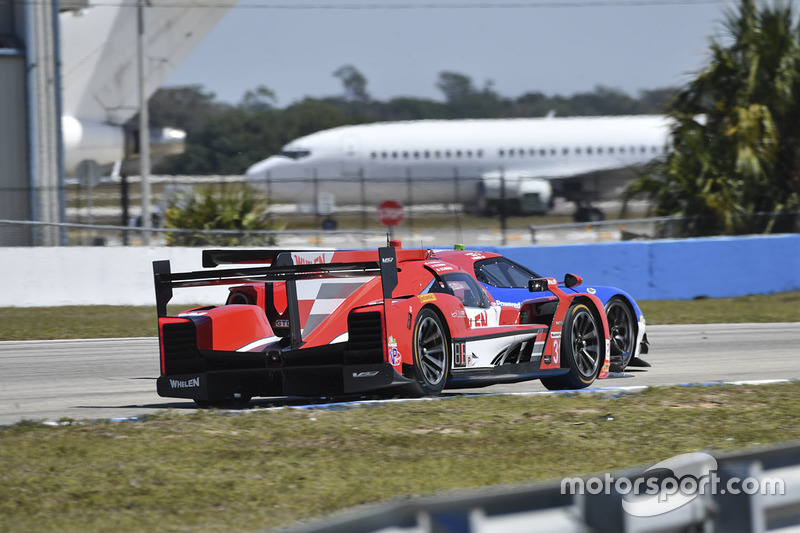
228	138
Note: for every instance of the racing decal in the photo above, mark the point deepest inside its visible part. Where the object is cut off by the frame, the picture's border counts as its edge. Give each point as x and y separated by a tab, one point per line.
311	258
555	335
370	374
439	267
427	298
185	383
394	355
590	290
556	352
607	362
317	299
481	318
510	304
476	256
281	323
459	354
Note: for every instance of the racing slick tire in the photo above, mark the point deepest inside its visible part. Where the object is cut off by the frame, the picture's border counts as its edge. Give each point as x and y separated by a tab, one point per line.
431	351
622	329
582	350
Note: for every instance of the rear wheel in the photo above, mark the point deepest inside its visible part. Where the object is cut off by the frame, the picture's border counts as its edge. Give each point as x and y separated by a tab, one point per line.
622	329
582	350
431	353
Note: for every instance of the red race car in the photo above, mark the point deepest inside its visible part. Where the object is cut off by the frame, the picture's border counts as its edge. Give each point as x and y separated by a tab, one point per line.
322	323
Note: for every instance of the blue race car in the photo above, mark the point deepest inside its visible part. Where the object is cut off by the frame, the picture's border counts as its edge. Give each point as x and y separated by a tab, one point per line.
507	282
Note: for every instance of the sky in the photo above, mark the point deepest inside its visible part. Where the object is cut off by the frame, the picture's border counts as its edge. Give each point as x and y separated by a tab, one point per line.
557	47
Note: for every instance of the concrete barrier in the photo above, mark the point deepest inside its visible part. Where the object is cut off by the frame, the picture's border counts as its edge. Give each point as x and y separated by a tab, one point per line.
652	270
715	267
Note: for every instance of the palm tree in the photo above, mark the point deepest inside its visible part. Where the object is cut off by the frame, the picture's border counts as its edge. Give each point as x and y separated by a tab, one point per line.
735	136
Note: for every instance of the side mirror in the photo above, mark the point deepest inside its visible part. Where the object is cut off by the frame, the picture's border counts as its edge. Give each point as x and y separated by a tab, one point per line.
538	285
571	280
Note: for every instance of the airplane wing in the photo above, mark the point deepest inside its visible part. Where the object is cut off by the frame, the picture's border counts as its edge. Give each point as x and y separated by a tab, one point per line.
99	54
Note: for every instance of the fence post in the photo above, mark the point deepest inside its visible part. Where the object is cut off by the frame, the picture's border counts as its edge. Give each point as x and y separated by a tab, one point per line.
502	207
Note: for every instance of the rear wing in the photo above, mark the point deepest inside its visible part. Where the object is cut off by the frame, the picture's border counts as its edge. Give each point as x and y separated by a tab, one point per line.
215	258
281	267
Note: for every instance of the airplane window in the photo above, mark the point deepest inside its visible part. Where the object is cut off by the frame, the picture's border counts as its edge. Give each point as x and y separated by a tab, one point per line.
643	149
416	155
521	151
622	149
384	155
589	150
458	153
599	149
479	153
610	149
447	153
427	154
578	151
394	155
511	153
405	155
438	154
531	151
374	155
565	151
295	154
654	149
552	151
469	153
501	152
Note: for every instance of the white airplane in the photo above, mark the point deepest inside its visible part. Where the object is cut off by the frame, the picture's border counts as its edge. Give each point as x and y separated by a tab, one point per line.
100	73
477	163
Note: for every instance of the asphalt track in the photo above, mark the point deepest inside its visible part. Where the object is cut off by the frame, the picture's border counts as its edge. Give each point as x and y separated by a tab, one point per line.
115	378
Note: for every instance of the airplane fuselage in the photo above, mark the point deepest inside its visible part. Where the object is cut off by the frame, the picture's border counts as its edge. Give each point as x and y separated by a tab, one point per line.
434	161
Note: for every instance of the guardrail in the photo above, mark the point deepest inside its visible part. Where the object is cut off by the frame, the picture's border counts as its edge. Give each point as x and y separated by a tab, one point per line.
545	507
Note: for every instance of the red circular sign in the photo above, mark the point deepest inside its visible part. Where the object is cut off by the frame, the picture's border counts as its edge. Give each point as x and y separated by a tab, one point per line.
390	213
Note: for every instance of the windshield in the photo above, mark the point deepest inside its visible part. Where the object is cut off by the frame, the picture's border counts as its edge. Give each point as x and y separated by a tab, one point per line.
295	153
503	273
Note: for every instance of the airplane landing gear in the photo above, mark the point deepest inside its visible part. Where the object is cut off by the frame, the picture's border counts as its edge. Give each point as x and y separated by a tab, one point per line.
585	212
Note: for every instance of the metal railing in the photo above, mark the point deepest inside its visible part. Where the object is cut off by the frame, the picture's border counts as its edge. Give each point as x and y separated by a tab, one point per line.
546	507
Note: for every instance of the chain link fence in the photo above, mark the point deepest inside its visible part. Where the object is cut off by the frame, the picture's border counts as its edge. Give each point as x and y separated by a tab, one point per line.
109	214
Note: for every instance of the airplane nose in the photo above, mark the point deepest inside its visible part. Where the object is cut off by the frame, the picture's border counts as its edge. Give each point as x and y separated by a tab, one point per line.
260	170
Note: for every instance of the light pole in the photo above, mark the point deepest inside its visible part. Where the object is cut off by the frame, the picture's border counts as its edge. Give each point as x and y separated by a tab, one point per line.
144	130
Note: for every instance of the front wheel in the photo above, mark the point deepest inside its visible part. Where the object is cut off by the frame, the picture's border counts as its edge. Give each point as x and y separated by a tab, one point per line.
622	329
431	354
582	350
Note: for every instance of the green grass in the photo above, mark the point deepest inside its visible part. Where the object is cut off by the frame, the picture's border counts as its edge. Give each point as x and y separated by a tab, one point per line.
207	471
84	322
